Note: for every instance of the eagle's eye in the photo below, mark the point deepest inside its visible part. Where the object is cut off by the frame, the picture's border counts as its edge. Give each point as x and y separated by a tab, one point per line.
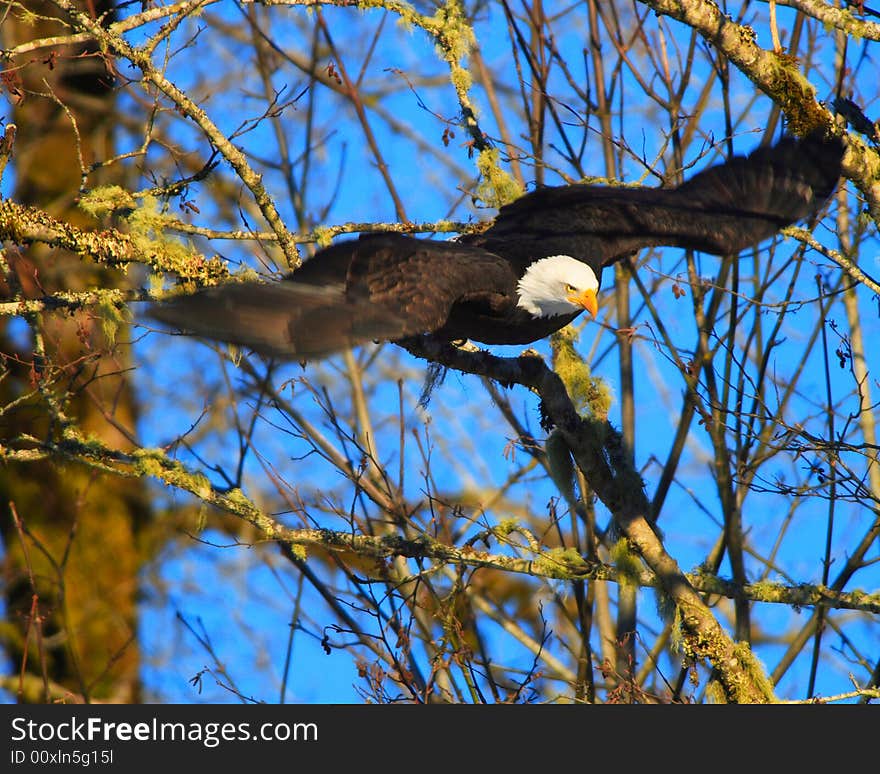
570	288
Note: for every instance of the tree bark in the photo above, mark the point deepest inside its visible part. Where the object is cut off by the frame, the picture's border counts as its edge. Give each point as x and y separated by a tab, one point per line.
71	560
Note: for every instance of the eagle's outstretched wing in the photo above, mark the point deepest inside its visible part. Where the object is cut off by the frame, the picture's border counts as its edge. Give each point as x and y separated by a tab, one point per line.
721	210
382	286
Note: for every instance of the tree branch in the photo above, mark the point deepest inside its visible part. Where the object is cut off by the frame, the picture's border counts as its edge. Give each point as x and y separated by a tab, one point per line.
597	449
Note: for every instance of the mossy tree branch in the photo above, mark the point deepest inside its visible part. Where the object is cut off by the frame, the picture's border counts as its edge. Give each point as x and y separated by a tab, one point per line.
540	562
779	77
597	450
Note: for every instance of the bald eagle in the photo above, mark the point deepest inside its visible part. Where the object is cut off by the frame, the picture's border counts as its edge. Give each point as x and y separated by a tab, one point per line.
531	272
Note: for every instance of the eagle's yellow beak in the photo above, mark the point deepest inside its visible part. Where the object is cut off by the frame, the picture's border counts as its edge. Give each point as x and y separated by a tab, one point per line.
587	300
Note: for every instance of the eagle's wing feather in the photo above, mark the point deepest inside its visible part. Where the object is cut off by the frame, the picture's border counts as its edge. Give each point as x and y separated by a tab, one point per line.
423	279
394	286
721	210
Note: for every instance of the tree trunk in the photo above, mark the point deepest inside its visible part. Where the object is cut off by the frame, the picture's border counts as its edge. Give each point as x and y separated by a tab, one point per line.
71	565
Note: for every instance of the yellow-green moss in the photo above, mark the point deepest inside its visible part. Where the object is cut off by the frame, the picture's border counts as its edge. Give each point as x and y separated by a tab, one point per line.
497	187
796	96
462	81
629	569
715	693
238	498
155	463
562	563
506	526
753	670
149	462
323	236
455	37
146	225
587	393
110	316
676	634
201	520
106	199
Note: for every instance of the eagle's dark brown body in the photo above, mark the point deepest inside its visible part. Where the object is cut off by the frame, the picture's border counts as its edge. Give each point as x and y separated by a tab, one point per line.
392	286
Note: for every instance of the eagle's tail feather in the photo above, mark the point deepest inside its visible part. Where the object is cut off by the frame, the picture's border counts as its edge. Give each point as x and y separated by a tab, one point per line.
286	319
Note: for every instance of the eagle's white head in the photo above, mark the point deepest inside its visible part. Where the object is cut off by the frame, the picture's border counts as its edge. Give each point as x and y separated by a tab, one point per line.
558	285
